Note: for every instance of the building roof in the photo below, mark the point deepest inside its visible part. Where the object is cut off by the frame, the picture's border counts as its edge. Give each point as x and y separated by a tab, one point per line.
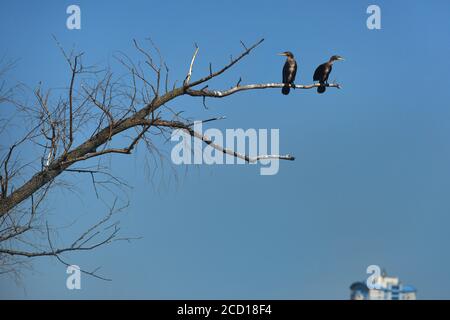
359	286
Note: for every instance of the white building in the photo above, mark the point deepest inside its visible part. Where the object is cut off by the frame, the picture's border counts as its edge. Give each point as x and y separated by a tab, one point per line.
384	288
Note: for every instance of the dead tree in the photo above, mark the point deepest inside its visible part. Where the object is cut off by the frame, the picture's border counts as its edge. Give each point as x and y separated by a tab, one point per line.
110	109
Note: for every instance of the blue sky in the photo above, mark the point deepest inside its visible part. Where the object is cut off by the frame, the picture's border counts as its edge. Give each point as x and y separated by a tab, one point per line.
371	179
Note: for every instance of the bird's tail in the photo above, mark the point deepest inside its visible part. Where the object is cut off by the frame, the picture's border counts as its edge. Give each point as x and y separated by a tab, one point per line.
285	90
321	88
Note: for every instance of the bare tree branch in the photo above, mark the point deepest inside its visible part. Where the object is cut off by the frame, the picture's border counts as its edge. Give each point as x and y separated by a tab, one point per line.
106	114
188	77
208	141
238	88
84	242
225	68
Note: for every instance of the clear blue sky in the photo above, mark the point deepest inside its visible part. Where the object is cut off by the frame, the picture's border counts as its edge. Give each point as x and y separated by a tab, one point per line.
370	185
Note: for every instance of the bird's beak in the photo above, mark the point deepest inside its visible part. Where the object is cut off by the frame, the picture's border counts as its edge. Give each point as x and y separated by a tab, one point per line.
281	54
341	59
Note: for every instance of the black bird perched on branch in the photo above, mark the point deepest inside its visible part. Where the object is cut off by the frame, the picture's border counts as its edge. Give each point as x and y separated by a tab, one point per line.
289	71
323	71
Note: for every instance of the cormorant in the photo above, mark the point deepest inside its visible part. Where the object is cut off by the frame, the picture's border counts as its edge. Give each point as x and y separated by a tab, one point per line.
289	71
323	71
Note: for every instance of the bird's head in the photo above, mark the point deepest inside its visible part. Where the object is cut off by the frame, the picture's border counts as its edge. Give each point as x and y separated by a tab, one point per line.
336	58
287	54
